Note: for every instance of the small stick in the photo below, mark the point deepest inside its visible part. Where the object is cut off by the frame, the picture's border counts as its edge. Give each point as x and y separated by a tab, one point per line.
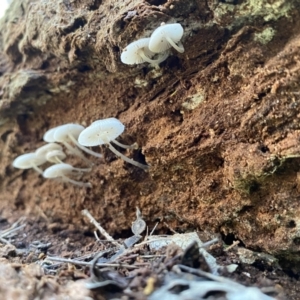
209	243
171	229
4	241
13	226
8	232
152	231
235	243
86	213
79	258
97	237
92	255
147	234
12	229
84	263
126	252
209	275
152	256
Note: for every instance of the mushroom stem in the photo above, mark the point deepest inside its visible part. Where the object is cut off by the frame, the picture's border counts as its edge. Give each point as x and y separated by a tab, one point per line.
162	56
82	169
78	183
179	48
39	170
129	160
84	148
149	60
133	146
76	152
58	161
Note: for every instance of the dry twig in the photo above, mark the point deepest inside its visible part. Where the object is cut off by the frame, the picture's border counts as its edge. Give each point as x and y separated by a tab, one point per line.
235	243
84	263
12	229
86	213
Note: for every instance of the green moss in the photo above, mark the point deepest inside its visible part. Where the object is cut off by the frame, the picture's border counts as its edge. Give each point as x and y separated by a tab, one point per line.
238	15
265	36
270	11
248	185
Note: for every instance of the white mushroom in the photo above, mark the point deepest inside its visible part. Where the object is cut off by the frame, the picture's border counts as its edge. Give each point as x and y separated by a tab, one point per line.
133	146
165	37
138	52
52	152
67	132
103	132
55	156
49	135
43	150
28	161
62	171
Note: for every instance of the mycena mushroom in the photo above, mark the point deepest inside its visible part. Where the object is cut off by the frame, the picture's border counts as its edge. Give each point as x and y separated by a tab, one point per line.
28	161
138	52
165	37
55	156
49	137
104	132
63	171
52	152
133	146
69	133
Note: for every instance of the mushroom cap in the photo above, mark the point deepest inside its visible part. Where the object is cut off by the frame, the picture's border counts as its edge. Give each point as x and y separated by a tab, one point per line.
28	160
42	151
49	135
51	155
61	133
101	132
130	54
158	42
58	170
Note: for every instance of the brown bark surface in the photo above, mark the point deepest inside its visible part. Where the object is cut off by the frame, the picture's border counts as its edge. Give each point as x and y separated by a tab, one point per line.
218	124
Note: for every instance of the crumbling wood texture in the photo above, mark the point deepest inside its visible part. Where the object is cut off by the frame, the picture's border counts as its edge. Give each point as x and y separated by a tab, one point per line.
219	124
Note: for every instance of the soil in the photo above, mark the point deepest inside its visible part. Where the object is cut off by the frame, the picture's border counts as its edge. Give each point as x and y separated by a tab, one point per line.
218	124
27	273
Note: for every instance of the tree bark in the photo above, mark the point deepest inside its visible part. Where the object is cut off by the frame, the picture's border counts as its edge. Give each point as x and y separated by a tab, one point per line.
218	124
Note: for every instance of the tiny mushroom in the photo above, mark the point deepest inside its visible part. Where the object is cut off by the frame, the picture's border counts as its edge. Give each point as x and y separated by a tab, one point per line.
103	132
139	225
28	161
165	37
133	146
52	152
71	132
138	52
66	133
62	170
43	150
49	135
55	156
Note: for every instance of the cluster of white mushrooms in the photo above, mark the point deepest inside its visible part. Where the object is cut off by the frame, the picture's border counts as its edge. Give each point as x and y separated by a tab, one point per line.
75	137
155	49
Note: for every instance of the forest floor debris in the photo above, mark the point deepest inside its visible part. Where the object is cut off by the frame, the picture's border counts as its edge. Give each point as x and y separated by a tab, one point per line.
173	266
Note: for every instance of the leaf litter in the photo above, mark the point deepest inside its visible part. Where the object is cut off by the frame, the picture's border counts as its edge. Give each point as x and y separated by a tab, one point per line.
154	267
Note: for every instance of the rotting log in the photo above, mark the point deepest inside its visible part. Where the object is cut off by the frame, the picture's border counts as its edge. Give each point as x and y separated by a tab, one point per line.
219	124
